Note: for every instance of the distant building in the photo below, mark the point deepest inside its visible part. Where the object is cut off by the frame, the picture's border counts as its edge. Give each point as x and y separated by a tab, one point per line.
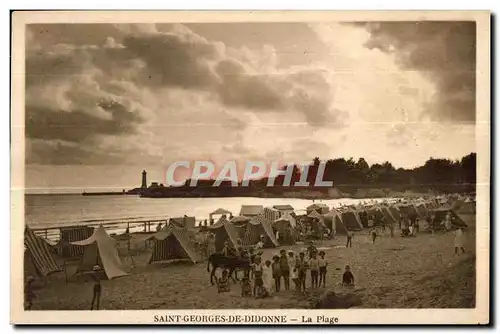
144	183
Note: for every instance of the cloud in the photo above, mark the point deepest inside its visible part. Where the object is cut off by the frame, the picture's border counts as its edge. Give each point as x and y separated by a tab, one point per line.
445	52
87	83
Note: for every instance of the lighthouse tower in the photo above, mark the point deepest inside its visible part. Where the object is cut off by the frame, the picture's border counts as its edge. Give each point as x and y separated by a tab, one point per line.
144	183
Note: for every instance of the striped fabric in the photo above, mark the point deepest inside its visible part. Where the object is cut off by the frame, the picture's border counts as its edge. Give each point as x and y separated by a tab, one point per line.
224	230
172	244
40	254
71	234
271	214
258	226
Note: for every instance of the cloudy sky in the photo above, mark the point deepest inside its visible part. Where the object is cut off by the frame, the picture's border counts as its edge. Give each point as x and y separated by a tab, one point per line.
105	101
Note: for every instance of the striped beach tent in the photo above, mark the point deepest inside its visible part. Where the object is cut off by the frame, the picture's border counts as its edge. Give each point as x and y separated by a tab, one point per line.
257	227
72	234
224	231
173	244
39	253
351	220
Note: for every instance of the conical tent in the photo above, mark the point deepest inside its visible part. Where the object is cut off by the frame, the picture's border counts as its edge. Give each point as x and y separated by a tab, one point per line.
172	244
224	231
351	220
467	208
38	254
100	249
334	221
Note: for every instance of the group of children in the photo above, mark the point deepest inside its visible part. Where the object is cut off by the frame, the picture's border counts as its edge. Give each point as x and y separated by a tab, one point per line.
282	269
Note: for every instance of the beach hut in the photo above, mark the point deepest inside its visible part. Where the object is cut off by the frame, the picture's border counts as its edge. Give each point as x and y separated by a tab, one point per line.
251	210
38	257
285	226
351	220
219	212
257	227
173	243
389	217
284	209
321	208
224	231
271	214
100	249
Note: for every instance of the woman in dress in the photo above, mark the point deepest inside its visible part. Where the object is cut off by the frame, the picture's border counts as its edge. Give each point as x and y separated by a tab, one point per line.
459	241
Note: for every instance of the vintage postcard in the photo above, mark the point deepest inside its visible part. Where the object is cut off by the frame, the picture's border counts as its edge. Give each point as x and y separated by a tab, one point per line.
278	168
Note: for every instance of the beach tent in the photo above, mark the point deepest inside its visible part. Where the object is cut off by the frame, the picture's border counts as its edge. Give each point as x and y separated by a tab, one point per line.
38	256
389	217
468	207
271	214
335	193
333	221
251	210
172	244
219	212
240	220
183	222
285	226
319	207
100	249
440	215
71	234
394	210
351	220
224	231
284	222
409	211
258	226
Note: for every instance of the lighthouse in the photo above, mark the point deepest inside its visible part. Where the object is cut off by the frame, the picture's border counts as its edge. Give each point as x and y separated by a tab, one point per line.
144	183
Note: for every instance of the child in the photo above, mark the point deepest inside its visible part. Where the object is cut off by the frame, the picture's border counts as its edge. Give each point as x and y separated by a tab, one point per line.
96	297
257	274
285	269
29	295
348	277
223	282
246	288
293	270
322	268
314	267
349	239
276	270
301	267
311	249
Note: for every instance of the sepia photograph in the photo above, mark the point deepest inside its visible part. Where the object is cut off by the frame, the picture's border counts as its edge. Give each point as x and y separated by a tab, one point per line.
250	167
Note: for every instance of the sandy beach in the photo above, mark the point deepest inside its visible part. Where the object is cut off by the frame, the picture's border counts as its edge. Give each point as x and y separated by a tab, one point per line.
415	272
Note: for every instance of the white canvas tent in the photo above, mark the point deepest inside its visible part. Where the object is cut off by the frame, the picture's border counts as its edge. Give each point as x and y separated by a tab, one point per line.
100	249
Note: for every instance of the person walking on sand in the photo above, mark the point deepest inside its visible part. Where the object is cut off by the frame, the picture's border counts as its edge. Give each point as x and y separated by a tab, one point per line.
350	235
373	235
96	297
459	241
322	268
